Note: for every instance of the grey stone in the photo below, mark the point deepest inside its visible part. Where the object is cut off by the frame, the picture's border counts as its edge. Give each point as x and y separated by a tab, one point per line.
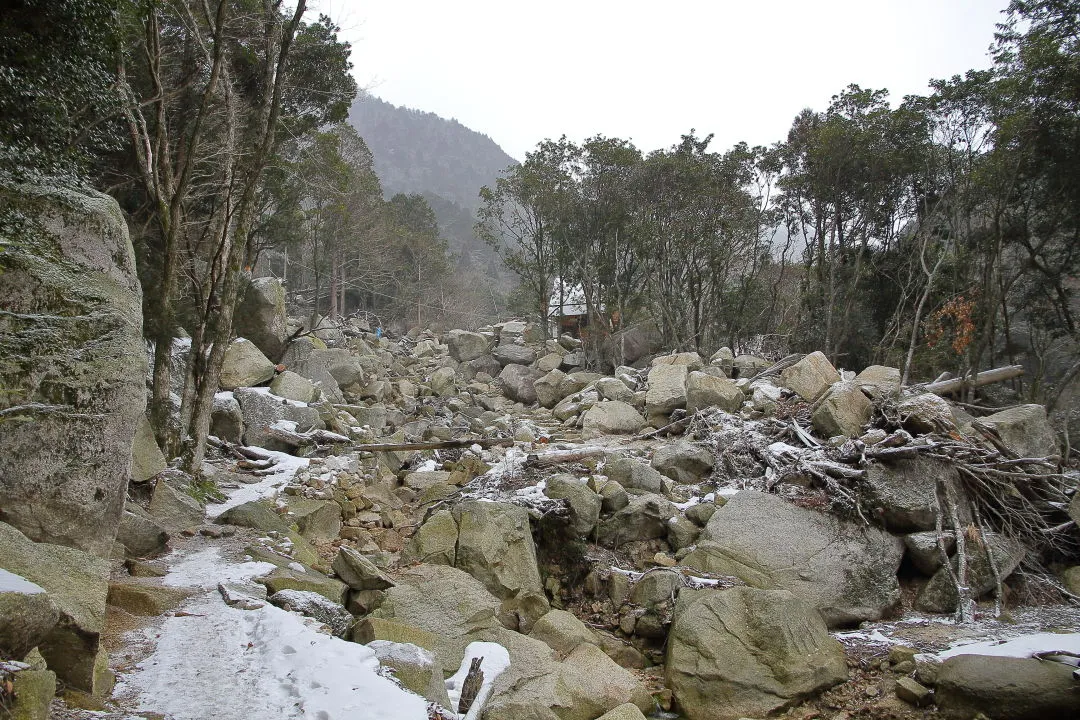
175	510
879	381
724	359
645	517
446	602
562	631
140	534
78	584
912	692
260	316
245	366
72	364
495	546
846	570
415	668
903	494
667	389
293	386
314	605
27	615
1005	688
226	418
939	595
513	354
518	383
358	572
1024	430
843	411
584	503
549	388
683	462
612	417
465	345
747	366
614	389
810	377
705	391
147	459
923	551
304	357
925	413
748	652
636	475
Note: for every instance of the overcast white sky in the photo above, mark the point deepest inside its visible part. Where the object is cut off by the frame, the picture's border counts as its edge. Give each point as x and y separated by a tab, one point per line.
649	70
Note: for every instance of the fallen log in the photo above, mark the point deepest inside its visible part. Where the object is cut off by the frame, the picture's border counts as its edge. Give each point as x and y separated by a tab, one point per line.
437	445
310	437
558	457
943	387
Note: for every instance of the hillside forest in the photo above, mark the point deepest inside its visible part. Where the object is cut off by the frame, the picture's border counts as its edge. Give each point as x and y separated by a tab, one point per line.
933	233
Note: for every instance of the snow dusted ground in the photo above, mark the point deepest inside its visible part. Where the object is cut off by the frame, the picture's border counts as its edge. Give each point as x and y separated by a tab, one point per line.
210	660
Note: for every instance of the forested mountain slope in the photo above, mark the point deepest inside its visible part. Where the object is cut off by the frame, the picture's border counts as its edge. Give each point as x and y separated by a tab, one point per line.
448	163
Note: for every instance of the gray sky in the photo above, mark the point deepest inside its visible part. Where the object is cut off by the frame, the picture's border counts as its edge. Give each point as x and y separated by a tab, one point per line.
650	70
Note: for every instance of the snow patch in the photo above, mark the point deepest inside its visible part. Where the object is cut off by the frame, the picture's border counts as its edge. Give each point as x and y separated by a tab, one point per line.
286	468
1024	646
232	664
206	568
496	659
12	583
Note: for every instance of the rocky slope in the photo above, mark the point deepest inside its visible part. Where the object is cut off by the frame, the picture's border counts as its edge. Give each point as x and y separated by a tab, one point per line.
717	538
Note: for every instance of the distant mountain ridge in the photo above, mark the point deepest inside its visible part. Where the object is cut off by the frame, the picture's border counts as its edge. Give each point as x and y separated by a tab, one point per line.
448	163
417	151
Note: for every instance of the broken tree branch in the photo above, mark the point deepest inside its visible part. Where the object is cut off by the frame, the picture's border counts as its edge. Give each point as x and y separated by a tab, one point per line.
944	387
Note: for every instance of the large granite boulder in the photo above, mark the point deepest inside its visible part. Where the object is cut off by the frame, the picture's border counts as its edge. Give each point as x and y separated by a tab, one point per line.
667	389
260	316
518	383
746	652
245	366
683	462
147	460
495	546
537	686
810	377
305	358
78	584
645	517
584	503
72	364
293	386
1024	430
512	353
705	391
1006	688
549	388
261	409
635	475
610	418
843	411
846	570
446	603
879	381
939	595
903	494
27	615
465	345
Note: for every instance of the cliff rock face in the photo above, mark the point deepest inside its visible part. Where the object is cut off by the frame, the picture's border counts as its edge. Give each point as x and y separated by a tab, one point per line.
72	364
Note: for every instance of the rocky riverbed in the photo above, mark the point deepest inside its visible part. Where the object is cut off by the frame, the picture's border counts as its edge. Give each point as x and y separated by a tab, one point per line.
677	537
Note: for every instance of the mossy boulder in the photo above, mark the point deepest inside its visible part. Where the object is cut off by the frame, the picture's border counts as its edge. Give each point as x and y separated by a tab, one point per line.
748	652
77	583
72	364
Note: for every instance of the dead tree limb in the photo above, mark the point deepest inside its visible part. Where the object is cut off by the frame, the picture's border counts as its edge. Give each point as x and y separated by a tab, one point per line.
311	437
437	445
559	457
944	387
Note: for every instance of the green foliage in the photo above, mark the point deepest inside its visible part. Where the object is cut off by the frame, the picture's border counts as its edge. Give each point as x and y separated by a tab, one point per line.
57	85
